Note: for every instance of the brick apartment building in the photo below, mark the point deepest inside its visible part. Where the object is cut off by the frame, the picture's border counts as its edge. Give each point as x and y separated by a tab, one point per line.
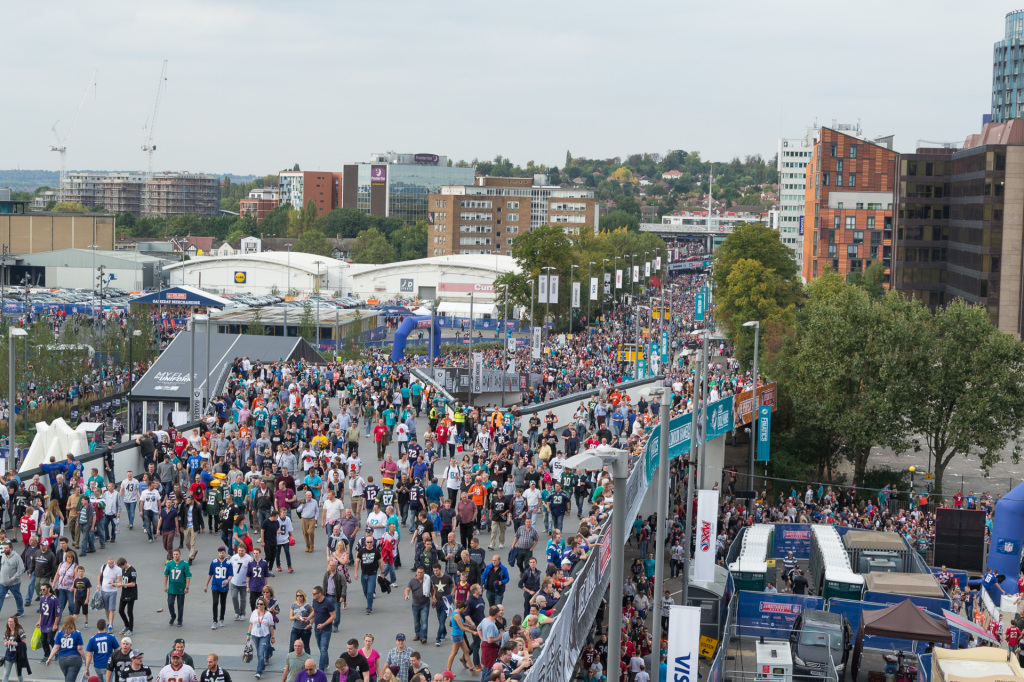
486	218
259	203
298	188
848	204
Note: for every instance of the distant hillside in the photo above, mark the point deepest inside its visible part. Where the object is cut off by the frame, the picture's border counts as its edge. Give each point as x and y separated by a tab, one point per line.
28	180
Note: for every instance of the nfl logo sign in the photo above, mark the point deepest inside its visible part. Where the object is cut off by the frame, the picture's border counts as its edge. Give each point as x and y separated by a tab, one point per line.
1008	546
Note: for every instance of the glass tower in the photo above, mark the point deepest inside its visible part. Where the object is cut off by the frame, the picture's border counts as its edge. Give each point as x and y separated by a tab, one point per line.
1008	70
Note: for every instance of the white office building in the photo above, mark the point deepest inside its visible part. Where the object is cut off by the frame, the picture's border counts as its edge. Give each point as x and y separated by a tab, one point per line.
794	154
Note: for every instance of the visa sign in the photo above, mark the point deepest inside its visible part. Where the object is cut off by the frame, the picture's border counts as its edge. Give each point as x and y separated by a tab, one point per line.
698	305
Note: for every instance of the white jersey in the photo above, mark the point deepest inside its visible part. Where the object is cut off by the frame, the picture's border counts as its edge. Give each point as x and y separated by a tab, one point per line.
185	673
151	500
130	490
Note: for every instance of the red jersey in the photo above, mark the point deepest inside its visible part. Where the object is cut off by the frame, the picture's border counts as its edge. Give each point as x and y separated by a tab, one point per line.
1012	635
28	528
994	629
179	445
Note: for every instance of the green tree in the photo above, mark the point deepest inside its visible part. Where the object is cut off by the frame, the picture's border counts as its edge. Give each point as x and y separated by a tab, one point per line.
275	223
69	207
754	292
968	398
305	220
618	219
313	241
345	222
307	325
242	228
255	326
410	241
756	242
871	280
371	246
628	205
849	366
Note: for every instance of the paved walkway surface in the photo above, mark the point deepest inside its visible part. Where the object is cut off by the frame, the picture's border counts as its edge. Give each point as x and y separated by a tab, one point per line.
391	613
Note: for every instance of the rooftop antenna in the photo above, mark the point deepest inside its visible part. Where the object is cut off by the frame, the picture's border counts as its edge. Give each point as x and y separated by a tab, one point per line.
147	139
61	142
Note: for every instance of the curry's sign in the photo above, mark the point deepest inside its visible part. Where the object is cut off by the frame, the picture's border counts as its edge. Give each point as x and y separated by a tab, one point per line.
465	287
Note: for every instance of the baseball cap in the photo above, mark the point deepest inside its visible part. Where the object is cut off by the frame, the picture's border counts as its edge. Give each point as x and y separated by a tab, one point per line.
179	641
400	635
448	675
175	654
135	653
94	678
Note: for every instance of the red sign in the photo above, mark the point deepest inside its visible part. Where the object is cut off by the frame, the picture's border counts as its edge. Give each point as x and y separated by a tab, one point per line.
743	405
606	548
175	295
464	287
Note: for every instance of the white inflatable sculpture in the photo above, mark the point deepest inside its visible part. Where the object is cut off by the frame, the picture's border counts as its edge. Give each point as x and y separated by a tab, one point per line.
55	440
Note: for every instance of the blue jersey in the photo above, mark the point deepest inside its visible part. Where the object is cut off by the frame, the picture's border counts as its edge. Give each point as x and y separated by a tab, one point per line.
101	646
220	573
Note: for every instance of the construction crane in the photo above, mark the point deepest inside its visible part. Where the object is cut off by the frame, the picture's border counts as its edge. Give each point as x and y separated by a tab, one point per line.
147	140
61	145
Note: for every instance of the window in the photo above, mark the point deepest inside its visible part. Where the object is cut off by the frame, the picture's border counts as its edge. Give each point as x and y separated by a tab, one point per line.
853	151
839	180
858	236
512	205
832	150
851	250
839	205
876	238
856	265
851	222
859	206
853	180
871	222
839	166
836	222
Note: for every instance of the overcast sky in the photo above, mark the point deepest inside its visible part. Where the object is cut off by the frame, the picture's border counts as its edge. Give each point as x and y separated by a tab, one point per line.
253	87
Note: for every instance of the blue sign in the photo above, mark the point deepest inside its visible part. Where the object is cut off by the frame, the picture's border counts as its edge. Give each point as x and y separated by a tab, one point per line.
719	421
764	432
801	226
642	369
771	614
699	304
664	346
791	537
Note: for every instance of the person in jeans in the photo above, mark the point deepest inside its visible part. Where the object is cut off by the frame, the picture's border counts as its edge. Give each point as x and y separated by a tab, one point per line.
11	570
49	613
177	578
14	639
324	614
261	633
168	526
130	497
335	586
421	591
443	586
240	561
368	558
69	651
301	616
150	508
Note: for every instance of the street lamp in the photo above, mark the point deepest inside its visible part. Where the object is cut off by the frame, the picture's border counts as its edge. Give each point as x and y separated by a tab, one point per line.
14	333
756	324
317	263
572	283
287	287
469	393
665	399
596	459
547	309
96	246
192	360
131	376
615	272
604	261
912	470
590	279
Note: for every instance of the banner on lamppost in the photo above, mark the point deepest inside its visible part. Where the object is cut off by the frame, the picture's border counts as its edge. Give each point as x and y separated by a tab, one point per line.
683	642
593	288
618	279
707	536
641	371
536	343
698	306
647	269
664	346
553	289
576	294
657	264
478	372
542	289
636	273
511	354
764	432
607	283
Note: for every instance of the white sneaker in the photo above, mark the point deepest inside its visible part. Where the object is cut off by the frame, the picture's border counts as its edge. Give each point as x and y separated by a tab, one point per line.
221	624
214	626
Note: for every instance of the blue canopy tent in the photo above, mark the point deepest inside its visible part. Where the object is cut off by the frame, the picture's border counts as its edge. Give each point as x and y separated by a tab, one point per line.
1007	535
415	322
184	296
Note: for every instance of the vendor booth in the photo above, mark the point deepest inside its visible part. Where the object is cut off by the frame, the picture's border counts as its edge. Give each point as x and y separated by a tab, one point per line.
903	621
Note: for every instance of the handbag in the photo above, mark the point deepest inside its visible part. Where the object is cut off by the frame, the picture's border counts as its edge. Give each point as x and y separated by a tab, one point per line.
96	602
37	639
247	653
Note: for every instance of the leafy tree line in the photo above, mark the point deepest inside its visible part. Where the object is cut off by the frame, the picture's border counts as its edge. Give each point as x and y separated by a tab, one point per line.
549	245
860	368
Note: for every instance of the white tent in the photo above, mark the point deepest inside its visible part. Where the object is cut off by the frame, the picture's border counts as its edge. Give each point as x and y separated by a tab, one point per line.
461	309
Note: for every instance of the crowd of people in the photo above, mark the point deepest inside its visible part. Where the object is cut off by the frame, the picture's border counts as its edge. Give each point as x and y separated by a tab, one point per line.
336	457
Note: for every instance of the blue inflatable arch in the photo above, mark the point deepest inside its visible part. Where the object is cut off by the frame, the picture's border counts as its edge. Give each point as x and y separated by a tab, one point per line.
1007	535
408	325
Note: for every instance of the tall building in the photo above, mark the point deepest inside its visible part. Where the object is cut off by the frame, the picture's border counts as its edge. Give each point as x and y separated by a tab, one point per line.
960	224
298	188
171	193
1008	70
793	155
397	185
259	203
486	217
848	202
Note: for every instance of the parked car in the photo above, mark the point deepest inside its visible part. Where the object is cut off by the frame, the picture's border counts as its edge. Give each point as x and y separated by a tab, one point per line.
815	636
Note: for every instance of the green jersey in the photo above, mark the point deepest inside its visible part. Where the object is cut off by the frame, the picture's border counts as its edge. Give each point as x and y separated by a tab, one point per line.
239	491
213	496
177	573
